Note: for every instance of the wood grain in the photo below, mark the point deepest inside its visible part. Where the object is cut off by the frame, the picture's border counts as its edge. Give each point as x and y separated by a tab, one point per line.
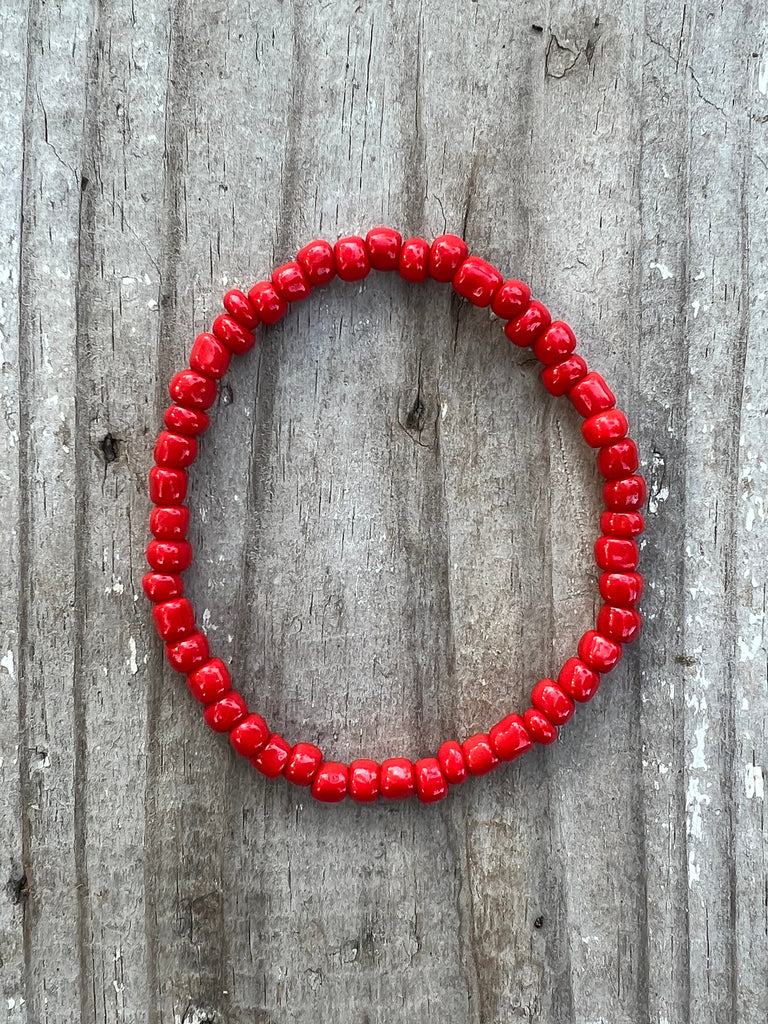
393	522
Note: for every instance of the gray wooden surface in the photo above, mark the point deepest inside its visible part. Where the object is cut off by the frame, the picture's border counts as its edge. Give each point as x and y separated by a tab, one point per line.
393	523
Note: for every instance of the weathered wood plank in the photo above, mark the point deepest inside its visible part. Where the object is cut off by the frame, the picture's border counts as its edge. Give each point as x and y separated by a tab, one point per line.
403	517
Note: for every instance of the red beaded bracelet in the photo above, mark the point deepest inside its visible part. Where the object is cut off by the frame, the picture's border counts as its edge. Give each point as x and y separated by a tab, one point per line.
193	391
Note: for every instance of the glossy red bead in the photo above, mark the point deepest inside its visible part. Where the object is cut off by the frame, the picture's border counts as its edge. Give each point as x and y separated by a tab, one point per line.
175	450
451	758
169	556
479	754
539	726
620	624
186	421
364	784
621	588
303	764
512	299
529	325
559	378
431	784
598	651
413	264
591	395
174	619
509	738
604	427
233	334
352	262
249	736
267	301
552	700
383	245
555	344
169	523
167	486
446	254
291	281
209	681
616	553
477	280
625	495
397	779
331	782
240	309
210	356
578	680
273	758
622	524
160	586
618	460
192	390
318	262
226	713
189	654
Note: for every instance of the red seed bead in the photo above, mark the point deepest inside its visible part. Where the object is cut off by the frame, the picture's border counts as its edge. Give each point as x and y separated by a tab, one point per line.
240	309
591	395
511	300
621	588
186	421
560	377
160	586
413	264
598	651
167	486
451	758
555	344
364	781
318	262
233	334
188	654
175	450
479	754
446	255
210	356
578	680
267	302
625	495
383	245
622	524
331	782
478	281
272	759
539	726
431	784
209	681
174	619
303	764
225	714
192	390
291	281
397	780
552	701
616	553
509	738
604	427
529	325
169	523
619	624
618	460
352	262
169	556
250	735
